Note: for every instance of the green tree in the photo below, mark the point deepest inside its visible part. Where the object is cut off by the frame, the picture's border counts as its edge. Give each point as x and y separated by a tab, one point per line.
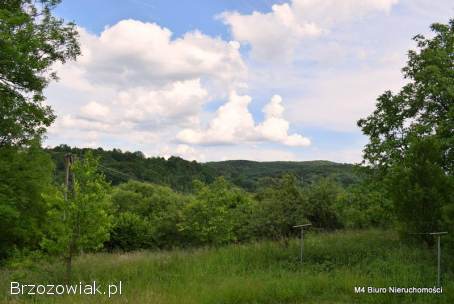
129	232
217	215
320	208
83	221
31	41
365	205
157	206
424	107
420	188
280	208
25	173
411	135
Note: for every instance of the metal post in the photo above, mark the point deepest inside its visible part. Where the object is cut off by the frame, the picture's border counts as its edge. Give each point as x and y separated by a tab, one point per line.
302	239
302	245
439	260
438	235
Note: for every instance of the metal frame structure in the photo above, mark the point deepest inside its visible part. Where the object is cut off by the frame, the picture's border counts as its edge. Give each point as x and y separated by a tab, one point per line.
302	238
438	235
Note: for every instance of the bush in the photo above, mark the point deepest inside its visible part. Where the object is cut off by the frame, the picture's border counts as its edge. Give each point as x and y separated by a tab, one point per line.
280	208
363	206
159	206
130	232
217	215
320	208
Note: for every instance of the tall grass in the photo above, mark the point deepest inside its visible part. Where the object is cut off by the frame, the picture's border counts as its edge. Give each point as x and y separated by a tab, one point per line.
262	272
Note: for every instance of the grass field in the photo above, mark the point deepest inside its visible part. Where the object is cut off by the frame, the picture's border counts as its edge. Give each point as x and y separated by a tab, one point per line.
264	272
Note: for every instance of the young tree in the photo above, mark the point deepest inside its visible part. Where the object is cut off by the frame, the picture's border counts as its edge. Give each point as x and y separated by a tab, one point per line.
31	41
82	221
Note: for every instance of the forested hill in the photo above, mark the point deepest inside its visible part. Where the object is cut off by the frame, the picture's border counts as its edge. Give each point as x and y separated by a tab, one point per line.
250	174
119	166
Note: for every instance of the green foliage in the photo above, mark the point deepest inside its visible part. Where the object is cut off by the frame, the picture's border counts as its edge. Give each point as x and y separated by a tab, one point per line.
120	167
412	136
83	221
156	207
217	215
31	41
320	208
261	272
130	232
365	205
420	189
177	173
251	175
25	173
280	208
422	108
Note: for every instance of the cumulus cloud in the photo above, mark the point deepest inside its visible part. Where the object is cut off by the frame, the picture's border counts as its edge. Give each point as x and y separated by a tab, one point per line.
278	34
275	127
177	102
141	53
135	78
233	123
137	87
273	34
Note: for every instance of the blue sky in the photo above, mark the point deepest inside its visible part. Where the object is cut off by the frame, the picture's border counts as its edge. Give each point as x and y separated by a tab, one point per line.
251	79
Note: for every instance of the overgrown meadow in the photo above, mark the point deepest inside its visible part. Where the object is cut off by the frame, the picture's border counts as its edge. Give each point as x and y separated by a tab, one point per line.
257	272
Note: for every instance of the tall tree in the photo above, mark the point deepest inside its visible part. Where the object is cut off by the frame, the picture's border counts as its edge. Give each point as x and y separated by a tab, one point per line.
411	136
31	41
424	107
25	173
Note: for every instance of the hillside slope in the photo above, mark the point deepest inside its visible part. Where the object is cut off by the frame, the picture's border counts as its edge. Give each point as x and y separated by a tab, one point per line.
249	174
121	166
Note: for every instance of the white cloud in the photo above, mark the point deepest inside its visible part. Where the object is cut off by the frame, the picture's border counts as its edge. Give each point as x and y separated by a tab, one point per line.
277	35
275	127
144	54
273	34
139	87
233	123
177	102
328	12
336	101
183	151
95	110
134	80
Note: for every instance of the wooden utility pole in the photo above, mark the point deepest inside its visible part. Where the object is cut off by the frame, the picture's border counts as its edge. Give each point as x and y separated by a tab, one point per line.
67	165
69	188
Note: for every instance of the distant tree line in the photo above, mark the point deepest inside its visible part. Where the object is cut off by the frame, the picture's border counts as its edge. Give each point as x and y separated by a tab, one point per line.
121	166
